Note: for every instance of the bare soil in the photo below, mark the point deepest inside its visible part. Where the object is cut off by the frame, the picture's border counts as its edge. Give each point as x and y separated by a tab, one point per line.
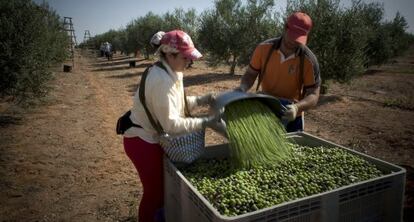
62	161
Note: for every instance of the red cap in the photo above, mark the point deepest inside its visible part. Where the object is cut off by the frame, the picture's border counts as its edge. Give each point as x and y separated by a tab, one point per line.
182	42
299	25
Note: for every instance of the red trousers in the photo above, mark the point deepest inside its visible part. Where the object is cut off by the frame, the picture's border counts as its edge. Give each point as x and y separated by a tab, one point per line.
147	159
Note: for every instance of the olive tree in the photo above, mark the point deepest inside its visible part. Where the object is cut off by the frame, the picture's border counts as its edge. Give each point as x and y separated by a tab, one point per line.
346	40
32	39
140	31
230	31
183	20
338	38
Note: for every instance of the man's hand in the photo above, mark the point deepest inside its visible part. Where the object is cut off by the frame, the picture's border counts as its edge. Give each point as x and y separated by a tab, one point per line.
291	112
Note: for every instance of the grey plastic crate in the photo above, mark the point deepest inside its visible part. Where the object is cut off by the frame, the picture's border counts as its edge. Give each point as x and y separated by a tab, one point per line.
375	200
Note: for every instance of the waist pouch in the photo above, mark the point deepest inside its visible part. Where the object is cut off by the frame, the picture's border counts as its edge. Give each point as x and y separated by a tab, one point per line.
124	123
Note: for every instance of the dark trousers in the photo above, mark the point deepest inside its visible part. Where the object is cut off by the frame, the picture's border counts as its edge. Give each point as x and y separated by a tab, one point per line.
296	125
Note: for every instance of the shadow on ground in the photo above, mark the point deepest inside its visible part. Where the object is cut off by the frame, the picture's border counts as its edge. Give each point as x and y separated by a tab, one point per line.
142	65
112	63
208	78
125	75
6	120
326	99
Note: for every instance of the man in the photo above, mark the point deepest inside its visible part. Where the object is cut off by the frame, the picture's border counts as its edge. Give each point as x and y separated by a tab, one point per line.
102	49
108	50
287	69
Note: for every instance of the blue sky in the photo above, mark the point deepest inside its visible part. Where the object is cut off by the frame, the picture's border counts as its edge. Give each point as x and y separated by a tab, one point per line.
98	16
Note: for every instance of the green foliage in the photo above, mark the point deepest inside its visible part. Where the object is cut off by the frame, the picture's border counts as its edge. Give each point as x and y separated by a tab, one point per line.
378	48
184	20
136	36
32	40
230	32
141	31
385	39
337	38
347	40
116	38
399	38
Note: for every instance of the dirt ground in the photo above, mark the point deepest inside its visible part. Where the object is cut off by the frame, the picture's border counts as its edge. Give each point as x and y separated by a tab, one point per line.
62	161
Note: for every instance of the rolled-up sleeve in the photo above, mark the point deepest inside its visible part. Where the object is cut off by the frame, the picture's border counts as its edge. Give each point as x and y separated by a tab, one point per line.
192	102
164	101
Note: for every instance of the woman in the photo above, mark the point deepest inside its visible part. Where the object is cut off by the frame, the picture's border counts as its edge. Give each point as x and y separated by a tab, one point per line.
164	97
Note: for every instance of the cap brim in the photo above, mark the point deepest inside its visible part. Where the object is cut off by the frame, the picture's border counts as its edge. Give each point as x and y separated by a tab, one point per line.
297	37
192	54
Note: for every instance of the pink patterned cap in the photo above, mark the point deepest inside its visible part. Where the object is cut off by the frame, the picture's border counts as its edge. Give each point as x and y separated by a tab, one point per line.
182	42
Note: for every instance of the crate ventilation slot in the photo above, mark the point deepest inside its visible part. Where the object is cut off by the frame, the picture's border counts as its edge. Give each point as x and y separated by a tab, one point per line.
200	205
290	212
364	191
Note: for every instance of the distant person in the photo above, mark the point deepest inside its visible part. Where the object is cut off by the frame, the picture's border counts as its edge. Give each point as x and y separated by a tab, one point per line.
166	103
277	63
102	49
108	50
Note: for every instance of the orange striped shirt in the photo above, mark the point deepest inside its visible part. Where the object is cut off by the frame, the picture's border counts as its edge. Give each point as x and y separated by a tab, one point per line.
281	78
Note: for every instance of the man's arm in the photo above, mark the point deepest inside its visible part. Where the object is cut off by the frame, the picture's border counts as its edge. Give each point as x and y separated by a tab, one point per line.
248	79
310	100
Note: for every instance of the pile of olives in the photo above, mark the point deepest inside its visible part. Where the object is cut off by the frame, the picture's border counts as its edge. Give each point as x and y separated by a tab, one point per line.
310	171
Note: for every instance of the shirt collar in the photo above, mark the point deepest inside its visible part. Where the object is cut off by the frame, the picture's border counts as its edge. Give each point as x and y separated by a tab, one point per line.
174	75
283	58
292	56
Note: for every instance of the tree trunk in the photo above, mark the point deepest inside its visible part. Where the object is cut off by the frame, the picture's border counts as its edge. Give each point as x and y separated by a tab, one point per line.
146	54
233	65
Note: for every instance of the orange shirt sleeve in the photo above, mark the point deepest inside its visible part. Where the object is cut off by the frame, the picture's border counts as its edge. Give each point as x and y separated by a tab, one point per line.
311	74
256	60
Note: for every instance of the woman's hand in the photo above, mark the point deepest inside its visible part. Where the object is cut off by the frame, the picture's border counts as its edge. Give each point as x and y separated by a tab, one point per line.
206	99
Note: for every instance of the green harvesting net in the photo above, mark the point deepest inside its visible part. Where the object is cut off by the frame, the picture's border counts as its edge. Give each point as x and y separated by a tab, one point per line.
256	135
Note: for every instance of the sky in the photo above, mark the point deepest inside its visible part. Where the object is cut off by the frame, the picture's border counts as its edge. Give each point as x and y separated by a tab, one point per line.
99	16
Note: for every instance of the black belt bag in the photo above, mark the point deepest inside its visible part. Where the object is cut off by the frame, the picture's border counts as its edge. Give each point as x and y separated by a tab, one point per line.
124	123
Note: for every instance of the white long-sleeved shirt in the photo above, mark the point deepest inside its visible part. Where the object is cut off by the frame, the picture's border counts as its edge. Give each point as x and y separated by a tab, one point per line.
164	97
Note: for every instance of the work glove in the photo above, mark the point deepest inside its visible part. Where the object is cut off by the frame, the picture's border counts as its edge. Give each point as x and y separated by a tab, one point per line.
241	88
220	127
210	121
290	113
206	99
